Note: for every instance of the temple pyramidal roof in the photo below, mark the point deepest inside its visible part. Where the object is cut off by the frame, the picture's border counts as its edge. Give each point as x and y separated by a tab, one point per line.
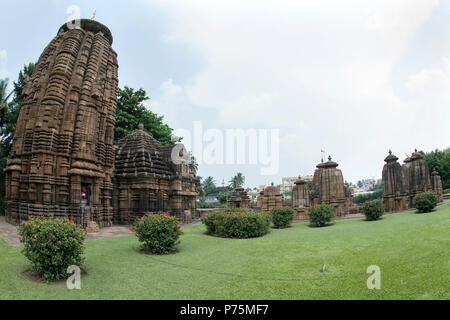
141	154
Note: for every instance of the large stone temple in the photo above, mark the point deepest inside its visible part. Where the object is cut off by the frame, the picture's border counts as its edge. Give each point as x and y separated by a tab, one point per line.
63	153
328	187
418	176
394	186
402	183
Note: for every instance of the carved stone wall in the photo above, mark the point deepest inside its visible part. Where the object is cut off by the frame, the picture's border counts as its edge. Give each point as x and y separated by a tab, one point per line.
328	187
271	198
147	179
436	183
394	188
62	154
239	199
300	199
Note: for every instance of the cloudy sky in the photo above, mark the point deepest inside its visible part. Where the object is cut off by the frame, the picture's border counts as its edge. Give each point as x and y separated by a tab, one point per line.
355	78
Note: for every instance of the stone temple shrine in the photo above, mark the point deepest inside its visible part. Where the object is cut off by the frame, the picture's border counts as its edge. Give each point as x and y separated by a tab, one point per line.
239	199
328	187
63	155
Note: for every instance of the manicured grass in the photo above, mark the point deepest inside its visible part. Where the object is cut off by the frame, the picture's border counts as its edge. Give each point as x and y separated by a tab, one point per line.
411	249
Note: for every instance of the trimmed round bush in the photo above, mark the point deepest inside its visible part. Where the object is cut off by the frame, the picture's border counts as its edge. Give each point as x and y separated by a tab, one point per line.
52	245
425	201
320	215
282	217
373	209
237	223
159	233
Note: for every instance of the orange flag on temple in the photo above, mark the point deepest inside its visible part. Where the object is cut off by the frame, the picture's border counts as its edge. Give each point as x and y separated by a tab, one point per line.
93	15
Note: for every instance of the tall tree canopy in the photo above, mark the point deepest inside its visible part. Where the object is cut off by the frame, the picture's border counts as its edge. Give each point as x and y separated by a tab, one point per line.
8	126
209	185
131	112
237	181
440	160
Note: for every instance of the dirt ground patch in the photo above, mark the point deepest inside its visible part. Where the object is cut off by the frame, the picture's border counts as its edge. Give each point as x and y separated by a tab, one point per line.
8	232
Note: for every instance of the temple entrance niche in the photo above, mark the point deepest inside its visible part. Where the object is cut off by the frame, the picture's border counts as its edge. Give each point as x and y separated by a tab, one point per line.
85	194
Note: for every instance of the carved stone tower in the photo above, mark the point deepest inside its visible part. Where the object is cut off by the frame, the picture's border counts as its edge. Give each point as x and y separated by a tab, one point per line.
63	155
394	187
328	187
300	199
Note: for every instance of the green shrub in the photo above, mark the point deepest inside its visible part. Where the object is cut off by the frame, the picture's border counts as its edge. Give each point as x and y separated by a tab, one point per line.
446	191
320	215
237	223
158	232
425	201
373	209
52	245
206	205
282	217
2	205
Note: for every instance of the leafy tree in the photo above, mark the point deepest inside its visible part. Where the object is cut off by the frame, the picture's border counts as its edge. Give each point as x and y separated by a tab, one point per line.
209	185
440	160
4	97
193	165
8	126
131	112
237	181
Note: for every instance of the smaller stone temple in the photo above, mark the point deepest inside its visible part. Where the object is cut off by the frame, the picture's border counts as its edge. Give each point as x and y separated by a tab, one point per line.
328	187
259	199
239	199
394	188
271	198
151	177
436	183
300	199
406	168
418	176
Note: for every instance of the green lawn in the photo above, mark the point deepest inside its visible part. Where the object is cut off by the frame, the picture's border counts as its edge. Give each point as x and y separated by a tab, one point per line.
411	249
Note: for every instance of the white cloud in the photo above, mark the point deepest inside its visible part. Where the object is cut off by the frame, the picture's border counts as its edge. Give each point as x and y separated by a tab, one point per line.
319	70
3	64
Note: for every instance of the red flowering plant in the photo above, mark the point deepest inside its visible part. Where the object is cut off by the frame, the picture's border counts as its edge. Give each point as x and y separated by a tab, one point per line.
237	223
158	232
52	245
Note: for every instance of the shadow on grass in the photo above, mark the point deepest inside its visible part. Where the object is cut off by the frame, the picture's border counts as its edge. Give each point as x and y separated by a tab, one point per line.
312	225
38	278
141	249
